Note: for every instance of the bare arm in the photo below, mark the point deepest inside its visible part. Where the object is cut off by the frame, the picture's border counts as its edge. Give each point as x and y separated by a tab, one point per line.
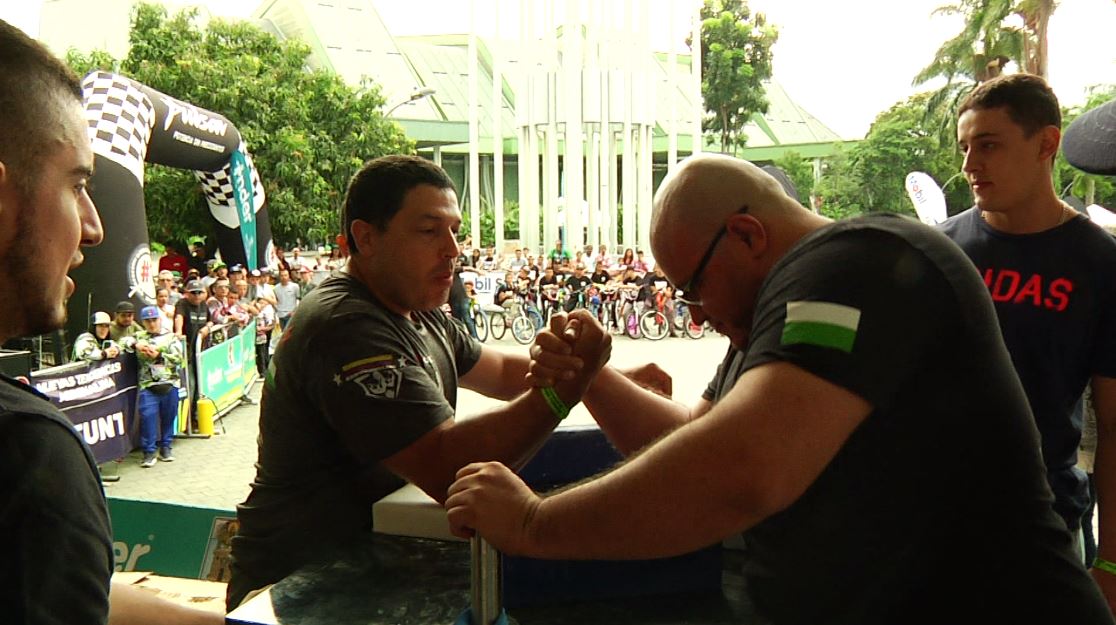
509	434
1104	472
129	605
753	455
497	374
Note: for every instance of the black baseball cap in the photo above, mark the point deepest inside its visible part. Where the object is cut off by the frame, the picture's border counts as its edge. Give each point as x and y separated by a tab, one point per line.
125	307
1090	141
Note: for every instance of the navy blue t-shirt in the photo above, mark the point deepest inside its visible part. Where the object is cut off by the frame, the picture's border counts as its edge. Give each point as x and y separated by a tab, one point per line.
1055	297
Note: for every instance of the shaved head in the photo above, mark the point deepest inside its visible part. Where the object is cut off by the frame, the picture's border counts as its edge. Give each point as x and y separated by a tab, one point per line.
700	194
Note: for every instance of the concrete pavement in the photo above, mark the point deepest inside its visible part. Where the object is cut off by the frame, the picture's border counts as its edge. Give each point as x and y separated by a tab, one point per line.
216	472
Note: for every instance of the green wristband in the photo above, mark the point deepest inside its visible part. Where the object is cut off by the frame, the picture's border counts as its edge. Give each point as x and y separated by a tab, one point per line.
1105	565
557	406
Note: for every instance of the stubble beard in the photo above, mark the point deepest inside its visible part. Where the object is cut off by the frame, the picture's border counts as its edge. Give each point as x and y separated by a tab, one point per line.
35	313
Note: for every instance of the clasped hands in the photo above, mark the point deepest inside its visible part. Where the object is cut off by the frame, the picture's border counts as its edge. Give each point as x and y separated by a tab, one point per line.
488	498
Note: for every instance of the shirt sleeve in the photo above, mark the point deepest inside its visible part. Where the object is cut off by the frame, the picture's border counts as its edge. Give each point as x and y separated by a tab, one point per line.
861	310
374	387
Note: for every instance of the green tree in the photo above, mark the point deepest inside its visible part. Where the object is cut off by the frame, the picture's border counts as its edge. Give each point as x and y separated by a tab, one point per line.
735	62
308	132
870	176
801	172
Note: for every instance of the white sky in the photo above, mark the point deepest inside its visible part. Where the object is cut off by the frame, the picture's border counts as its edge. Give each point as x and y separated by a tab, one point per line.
844	62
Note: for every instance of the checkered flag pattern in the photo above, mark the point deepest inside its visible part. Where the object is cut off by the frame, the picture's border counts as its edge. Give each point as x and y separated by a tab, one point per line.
218	189
120	117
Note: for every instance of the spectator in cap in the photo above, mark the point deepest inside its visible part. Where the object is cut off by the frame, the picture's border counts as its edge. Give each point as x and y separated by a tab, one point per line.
166	280
305	281
124	323
236	272
160	356
211	272
258	286
191	321
95	343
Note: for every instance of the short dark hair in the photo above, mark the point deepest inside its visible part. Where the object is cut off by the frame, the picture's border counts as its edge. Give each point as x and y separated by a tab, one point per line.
376	191
1029	101
34	86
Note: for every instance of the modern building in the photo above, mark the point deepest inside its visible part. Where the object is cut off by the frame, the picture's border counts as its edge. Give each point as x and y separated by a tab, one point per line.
497	111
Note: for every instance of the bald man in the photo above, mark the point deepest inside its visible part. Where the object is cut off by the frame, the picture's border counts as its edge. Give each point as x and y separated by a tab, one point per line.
858	481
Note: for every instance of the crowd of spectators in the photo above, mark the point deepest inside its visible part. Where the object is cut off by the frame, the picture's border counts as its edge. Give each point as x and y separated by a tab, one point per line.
561	280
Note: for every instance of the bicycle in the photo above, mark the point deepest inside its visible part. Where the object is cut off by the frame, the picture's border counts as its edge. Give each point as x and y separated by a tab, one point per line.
684	321
653	322
526	322
627	320
480	319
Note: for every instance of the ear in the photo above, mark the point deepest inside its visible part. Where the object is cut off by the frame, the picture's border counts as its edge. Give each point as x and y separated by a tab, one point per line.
750	231
365	236
1051	136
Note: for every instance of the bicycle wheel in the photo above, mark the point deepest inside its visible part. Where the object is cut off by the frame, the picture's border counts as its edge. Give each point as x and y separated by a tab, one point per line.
694	330
481	321
498	324
523	329
653	324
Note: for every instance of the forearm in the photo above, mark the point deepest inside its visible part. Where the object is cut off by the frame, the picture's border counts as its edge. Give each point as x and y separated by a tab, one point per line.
129	605
510	434
673	498
631	416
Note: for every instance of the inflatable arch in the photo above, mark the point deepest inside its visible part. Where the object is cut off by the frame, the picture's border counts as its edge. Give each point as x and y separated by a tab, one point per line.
130	124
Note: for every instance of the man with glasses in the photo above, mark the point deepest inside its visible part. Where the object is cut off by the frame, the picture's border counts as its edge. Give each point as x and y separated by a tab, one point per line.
848	445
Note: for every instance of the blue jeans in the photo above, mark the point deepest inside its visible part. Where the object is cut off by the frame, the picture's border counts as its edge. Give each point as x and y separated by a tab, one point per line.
157	416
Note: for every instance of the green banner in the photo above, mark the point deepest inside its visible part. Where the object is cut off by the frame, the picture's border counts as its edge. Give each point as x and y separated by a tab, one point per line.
171	539
245	211
226	369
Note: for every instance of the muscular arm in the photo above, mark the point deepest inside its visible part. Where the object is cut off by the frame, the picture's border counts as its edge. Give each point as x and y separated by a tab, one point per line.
497	374
631	416
1104	472
753	455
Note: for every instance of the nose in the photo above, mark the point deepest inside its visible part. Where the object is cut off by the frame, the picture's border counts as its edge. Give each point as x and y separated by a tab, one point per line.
454	249
91	232
968	162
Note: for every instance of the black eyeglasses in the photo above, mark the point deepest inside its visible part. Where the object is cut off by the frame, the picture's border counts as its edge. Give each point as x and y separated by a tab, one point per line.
694	282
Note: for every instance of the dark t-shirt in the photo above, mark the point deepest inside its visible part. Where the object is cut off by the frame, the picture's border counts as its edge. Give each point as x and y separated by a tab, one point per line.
576	283
1055	298
935	510
53	517
350	384
500	298
194	318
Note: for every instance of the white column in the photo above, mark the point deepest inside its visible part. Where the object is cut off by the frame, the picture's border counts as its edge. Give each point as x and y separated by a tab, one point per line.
474	129
672	88
573	166
497	133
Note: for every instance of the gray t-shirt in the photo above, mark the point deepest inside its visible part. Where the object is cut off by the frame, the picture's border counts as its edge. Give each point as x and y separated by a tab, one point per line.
286	296
351	383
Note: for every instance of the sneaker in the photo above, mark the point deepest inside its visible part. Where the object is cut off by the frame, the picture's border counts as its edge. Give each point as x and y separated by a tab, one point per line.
148	460
165	454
